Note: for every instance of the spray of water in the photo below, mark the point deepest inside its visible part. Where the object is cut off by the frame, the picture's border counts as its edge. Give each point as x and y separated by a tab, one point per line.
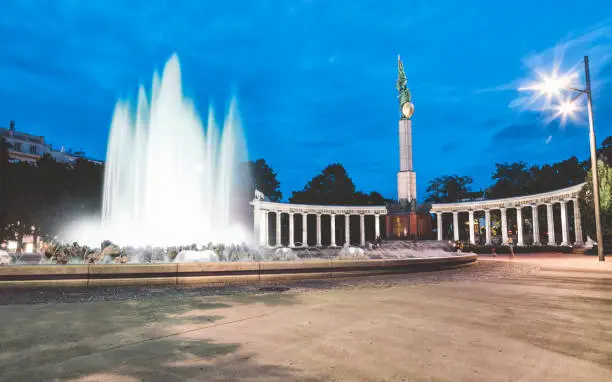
168	181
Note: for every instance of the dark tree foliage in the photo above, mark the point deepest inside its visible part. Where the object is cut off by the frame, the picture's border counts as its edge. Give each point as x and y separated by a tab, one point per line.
448	189
49	194
514	179
586	204
605	152
263	178
334	186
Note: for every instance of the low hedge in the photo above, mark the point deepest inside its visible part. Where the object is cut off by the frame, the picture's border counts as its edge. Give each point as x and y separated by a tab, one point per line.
501	249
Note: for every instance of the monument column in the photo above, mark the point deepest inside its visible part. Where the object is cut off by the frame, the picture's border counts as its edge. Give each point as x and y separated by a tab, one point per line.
376	226
456	225
472	235
319	244
519	225
439	223
535	224
551	224
577	223
263	227
564	225
291	238
304	229
347	230
333	229
406	177
504	225
278	229
362	229
488	227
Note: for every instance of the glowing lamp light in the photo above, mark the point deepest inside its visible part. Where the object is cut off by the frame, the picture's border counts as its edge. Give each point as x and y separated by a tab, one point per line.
567	108
554	84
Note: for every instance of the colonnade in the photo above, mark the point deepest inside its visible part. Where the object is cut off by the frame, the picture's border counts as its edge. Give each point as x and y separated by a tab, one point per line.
262	210
562	197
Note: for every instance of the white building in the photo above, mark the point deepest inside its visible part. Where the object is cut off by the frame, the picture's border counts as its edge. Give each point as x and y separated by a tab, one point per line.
24	147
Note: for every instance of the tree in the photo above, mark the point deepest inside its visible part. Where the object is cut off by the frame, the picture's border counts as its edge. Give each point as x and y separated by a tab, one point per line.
605	152
448	189
48	194
511	180
263	179
585	201
334	186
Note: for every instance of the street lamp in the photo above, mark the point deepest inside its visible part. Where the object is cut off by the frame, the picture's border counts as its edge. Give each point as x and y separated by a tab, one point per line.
553	85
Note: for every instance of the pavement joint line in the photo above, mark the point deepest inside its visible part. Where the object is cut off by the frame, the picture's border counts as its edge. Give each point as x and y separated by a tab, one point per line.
147	340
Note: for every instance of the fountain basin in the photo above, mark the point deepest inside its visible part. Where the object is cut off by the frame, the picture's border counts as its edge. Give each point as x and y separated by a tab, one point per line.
217	274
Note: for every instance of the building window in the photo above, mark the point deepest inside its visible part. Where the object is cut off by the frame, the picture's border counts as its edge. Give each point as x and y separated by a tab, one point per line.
17	146
33	150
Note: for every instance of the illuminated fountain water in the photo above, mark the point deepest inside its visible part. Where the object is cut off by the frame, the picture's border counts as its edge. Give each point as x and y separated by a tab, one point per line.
167	181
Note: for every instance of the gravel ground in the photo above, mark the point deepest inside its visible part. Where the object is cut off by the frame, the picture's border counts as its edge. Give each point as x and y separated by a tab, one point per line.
478	271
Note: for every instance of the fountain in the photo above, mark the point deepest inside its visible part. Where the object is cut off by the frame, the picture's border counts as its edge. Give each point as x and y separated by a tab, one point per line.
167	181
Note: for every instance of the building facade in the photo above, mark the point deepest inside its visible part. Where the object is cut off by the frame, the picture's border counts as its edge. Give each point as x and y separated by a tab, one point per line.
24	147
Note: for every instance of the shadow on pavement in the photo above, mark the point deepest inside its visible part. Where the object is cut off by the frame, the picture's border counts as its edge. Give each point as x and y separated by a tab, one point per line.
149	339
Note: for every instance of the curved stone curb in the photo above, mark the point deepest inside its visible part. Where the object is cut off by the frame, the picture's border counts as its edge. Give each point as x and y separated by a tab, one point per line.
213	273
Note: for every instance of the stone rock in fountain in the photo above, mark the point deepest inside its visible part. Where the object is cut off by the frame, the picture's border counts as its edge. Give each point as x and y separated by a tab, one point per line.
111	250
284	254
172	253
158	255
62	255
189	256
94	257
352	253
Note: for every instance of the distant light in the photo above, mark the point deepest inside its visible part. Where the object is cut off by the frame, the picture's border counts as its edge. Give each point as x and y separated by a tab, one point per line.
567	108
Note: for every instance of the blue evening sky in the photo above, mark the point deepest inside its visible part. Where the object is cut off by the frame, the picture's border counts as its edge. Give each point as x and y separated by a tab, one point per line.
315	79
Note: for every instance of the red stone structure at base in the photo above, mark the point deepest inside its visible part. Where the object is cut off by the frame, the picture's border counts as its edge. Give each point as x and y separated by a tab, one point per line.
409	225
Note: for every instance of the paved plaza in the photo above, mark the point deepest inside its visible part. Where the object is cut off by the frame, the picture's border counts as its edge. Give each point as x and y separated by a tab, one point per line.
493	321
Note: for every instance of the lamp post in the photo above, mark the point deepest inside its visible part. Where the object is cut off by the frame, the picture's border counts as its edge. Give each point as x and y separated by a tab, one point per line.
554	85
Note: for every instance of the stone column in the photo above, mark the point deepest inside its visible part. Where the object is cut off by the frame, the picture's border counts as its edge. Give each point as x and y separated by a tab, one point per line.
551	224
472	236
564	225
487	227
305	229
256	223
319	244
347	229
439	222
456	225
577	224
504	221
376	226
519	225
278	229
291	238
263	227
362	229
535	224
333	230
